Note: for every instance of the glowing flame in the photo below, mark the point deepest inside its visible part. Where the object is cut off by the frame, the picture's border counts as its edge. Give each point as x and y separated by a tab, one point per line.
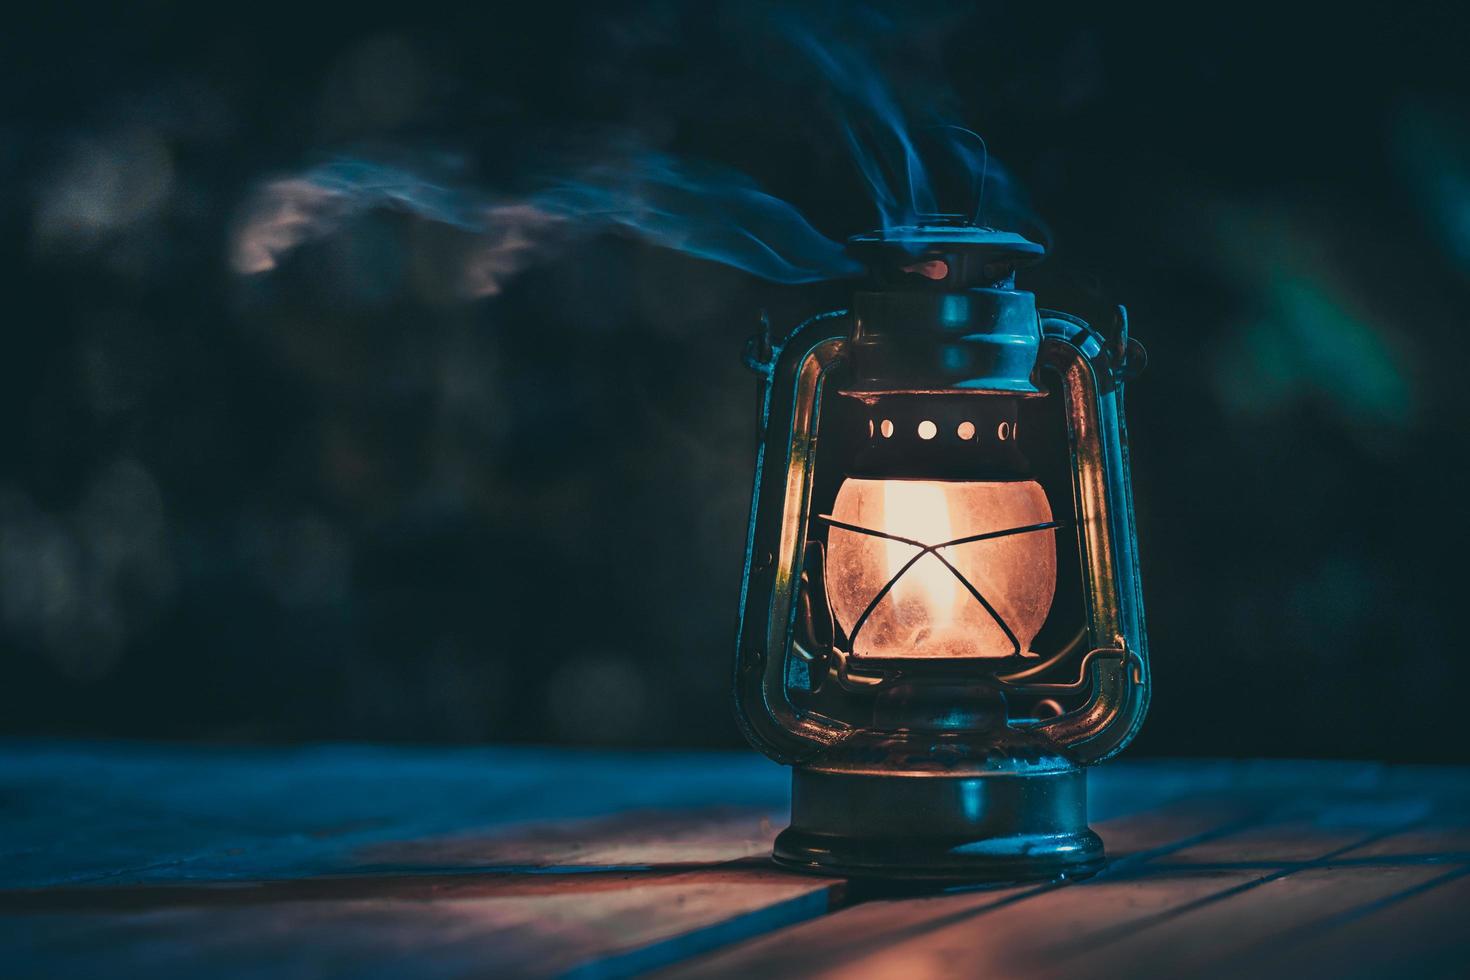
929	612
920	512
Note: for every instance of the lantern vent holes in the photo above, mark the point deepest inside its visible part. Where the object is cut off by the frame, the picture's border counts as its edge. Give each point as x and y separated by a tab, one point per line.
928	430
928	436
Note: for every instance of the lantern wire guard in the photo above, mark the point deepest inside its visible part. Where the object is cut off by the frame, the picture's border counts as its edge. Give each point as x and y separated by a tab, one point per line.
934	549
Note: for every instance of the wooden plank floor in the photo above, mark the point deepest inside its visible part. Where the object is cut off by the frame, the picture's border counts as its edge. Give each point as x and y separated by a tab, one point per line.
143	859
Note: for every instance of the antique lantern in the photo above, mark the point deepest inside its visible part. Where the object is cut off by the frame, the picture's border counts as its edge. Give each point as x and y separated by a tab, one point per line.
916	638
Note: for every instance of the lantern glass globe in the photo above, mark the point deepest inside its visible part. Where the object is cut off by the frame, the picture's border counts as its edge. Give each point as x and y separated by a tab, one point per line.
929	612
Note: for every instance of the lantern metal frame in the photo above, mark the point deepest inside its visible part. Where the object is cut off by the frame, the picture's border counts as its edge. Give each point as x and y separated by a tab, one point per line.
1008	803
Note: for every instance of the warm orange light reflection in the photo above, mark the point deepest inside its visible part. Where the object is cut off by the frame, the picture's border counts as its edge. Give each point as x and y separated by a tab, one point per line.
929	612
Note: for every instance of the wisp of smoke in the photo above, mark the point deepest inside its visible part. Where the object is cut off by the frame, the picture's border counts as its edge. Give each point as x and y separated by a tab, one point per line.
875	130
703	211
887	152
698	209
288	212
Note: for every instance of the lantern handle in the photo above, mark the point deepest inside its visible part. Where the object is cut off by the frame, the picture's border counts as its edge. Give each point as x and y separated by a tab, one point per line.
1090	375
977	214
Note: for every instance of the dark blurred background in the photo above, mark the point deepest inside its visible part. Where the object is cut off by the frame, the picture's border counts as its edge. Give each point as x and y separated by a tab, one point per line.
339	501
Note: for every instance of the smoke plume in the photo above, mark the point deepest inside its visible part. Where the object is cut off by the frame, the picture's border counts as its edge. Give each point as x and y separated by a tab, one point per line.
693	207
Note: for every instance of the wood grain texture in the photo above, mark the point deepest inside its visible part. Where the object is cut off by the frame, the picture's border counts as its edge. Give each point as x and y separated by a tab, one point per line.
1272	872
135	859
361	861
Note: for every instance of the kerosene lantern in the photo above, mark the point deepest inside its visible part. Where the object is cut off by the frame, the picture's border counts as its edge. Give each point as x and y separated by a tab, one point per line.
917	639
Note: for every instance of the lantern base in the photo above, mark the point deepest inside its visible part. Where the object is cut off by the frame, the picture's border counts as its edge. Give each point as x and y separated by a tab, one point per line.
983	828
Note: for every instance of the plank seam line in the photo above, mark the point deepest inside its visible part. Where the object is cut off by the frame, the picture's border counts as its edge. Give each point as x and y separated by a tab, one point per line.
1123	930
1310	930
851	897
684	946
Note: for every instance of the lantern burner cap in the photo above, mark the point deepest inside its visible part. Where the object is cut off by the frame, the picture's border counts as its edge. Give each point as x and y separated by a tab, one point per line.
944	251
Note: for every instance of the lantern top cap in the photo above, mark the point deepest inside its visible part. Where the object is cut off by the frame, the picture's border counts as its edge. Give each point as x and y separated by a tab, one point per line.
972	255
950	231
